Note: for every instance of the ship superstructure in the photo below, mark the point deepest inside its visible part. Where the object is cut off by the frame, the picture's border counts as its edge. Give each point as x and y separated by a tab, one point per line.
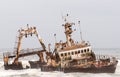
71	56
70	50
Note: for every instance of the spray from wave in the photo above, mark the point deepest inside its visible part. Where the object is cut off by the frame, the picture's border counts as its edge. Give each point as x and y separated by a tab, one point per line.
118	68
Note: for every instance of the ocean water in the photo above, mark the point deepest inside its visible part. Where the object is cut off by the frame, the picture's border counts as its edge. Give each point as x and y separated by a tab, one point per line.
38	73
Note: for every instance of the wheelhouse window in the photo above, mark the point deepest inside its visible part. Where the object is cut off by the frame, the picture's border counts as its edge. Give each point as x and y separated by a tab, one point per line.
88	50
81	51
84	50
62	55
72	53
75	52
78	51
65	54
68	53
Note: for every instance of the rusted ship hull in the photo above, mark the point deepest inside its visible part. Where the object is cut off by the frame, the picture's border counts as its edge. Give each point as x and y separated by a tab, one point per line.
13	66
19	66
51	68
103	69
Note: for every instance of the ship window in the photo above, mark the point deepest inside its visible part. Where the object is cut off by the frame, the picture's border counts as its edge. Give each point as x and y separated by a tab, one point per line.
68	53
72	53
88	50
65	54
78	51
81	51
62	55
84	50
75	52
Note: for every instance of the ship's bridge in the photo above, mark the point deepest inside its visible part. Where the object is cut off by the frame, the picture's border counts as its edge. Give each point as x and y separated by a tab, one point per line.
77	53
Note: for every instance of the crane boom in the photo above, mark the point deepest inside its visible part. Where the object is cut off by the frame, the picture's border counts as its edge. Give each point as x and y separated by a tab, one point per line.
26	32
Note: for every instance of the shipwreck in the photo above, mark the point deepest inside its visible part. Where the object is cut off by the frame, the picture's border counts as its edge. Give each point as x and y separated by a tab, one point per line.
68	56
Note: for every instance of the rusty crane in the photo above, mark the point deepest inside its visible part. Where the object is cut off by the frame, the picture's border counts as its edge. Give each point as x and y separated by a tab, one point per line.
19	53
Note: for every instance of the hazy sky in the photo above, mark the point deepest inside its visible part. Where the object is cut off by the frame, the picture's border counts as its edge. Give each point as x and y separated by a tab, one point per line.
100	21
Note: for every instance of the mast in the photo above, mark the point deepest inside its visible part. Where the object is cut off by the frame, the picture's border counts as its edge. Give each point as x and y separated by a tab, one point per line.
80	31
55	38
68	31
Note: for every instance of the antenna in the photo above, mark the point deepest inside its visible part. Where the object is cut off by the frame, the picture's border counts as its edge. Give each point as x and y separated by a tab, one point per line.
80	30
49	47
55	38
27	25
65	17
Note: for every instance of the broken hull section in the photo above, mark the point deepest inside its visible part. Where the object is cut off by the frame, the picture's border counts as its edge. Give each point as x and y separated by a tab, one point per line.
20	66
